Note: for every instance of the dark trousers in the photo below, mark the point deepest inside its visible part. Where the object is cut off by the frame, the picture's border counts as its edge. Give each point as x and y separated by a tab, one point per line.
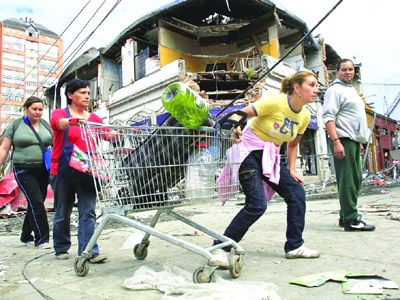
33	180
251	179
67	187
349	179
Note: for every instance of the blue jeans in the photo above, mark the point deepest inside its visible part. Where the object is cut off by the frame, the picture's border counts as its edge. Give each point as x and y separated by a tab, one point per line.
251	179
66	187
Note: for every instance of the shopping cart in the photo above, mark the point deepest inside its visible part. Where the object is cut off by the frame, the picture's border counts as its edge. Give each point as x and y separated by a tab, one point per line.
138	168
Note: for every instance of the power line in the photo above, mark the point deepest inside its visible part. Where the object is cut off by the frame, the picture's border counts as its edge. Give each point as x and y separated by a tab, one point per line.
79	47
90	35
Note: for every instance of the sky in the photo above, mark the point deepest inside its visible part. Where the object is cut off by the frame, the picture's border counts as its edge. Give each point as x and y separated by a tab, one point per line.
362	30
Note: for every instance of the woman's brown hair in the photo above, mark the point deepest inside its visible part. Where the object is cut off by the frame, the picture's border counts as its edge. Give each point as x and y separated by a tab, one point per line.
299	78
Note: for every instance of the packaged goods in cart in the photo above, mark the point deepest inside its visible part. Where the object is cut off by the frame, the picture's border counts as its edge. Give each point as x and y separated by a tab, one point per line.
185	105
200	175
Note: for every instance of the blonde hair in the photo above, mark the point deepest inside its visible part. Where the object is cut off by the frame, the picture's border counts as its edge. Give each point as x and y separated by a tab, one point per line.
299	78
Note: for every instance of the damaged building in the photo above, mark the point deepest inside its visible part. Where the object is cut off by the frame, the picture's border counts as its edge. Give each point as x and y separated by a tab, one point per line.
231	52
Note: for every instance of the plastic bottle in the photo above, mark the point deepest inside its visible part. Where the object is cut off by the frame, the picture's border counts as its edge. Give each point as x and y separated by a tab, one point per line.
185	105
200	175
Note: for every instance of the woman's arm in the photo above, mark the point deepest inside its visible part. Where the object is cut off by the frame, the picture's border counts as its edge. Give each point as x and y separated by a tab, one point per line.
58	121
250	111
4	149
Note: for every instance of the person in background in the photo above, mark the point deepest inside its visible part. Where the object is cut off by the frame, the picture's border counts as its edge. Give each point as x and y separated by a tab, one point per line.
29	169
274	119
346	124
68	183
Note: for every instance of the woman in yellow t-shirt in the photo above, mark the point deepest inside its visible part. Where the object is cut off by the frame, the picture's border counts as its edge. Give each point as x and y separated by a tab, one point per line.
275	119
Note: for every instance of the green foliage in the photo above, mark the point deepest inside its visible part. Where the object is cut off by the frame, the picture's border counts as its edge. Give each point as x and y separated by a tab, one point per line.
250	73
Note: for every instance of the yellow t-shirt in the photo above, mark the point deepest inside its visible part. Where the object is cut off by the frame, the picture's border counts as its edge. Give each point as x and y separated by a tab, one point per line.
276	121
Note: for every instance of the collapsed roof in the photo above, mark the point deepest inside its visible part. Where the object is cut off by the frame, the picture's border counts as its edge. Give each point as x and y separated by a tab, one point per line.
208	19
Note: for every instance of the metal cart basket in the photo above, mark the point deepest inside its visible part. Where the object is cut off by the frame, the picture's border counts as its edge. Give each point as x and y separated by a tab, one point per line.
137	168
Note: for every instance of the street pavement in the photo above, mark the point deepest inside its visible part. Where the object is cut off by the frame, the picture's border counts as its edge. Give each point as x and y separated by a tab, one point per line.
30	273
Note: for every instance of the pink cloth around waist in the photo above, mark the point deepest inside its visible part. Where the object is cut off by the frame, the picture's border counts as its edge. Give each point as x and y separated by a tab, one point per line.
229	178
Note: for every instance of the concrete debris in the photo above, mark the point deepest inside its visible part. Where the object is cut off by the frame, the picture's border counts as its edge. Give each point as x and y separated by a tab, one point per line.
3	268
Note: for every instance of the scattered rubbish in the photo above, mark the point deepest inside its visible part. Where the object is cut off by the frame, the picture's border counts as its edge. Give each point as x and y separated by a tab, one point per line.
352	283
10	193
12	199
143	215
176	283
393	216
320	278
366	285
384	192
379	182
380	208
3	268
6	227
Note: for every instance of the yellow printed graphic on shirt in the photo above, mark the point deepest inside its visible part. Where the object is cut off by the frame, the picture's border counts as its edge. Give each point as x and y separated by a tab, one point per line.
276	121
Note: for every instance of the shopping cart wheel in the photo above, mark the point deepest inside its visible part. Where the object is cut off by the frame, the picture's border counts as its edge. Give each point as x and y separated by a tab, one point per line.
140	251
199	276
81	266
235	266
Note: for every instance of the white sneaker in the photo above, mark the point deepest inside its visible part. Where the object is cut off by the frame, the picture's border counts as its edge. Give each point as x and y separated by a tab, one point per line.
30	243
44	246
220	259
302	252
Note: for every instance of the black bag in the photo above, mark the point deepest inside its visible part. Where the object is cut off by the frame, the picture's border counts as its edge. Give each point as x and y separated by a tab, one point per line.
158	163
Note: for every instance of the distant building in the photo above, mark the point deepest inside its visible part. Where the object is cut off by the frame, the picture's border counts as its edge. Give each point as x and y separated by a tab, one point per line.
386	133
31	61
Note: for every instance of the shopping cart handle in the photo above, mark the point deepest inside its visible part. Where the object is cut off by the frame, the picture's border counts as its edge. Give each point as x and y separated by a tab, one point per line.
233	123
